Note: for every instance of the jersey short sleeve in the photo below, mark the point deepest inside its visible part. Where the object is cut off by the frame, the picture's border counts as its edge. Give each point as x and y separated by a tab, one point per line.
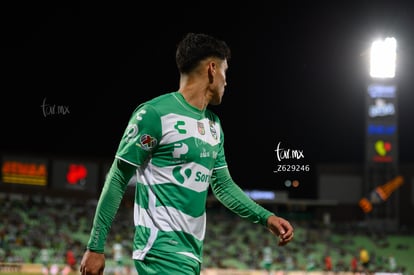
141	136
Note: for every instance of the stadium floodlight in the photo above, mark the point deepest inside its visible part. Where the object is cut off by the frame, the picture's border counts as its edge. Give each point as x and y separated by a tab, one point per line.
383	58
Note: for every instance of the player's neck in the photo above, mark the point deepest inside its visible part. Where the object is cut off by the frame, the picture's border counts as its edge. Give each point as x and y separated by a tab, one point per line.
195	93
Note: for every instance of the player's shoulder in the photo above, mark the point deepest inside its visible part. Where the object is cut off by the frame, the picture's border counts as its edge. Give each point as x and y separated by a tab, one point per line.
161	99
155	104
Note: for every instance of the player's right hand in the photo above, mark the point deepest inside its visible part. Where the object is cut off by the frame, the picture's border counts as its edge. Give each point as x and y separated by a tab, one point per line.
92	263
281	228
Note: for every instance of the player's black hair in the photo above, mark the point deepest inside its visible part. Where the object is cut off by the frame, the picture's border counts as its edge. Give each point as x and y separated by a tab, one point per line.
195	47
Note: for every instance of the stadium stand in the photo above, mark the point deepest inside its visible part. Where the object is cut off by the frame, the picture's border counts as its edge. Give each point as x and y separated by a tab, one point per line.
30	222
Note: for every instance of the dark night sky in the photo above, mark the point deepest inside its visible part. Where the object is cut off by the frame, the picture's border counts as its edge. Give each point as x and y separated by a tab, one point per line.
298	76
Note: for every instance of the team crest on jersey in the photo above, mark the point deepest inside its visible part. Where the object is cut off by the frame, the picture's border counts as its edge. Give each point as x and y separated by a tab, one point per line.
200	127
147	142
213	129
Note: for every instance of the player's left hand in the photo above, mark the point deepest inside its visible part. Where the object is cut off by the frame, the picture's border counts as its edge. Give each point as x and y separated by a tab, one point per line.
281	228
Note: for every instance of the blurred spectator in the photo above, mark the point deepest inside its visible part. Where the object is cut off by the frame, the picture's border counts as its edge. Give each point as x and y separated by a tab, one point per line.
354	264
45	259
311	262
328	262
364	258
118	256
70	265
267	258
392	263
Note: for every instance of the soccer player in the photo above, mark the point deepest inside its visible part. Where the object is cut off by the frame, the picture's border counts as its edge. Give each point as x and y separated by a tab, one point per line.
175	146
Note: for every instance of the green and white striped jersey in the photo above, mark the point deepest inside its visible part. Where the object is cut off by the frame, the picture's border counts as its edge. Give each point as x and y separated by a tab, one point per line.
175	148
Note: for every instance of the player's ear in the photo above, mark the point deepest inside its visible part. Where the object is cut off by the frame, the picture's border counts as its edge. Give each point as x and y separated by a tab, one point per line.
212	66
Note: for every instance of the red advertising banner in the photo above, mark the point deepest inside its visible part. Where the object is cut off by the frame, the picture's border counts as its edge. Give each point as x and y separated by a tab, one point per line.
23	170
75	175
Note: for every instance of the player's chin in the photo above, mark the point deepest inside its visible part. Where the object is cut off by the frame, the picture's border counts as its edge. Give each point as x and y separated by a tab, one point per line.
215	102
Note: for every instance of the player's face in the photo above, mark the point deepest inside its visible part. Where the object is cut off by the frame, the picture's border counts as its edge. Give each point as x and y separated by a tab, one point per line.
219	82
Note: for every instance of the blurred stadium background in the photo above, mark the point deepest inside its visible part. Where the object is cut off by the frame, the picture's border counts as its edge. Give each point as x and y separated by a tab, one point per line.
47	204
298	55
